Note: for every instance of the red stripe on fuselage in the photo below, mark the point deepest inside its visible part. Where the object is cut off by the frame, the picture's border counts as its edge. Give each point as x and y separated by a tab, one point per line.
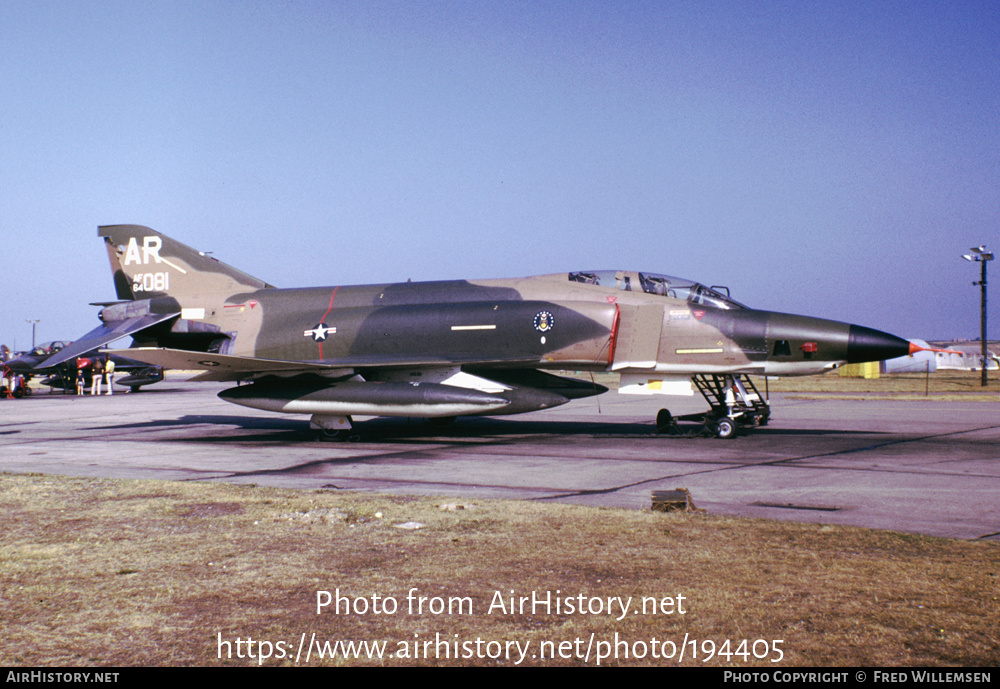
321	320
613	339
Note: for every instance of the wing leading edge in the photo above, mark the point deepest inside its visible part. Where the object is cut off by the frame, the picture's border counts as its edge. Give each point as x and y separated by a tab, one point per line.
223	367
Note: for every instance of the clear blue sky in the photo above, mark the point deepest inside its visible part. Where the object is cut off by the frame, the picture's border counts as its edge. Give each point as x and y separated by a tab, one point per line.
826	158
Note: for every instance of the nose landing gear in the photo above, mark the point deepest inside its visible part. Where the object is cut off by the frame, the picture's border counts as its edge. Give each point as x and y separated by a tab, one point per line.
735	406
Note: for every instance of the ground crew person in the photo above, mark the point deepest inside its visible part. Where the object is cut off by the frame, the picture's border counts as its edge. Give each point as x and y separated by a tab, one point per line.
97	372
109	372
82	364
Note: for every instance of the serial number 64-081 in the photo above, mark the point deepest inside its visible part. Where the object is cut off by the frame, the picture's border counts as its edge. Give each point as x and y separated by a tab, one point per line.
151	282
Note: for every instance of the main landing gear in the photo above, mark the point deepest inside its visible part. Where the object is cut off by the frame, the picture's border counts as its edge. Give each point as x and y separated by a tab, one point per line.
735	404
332	428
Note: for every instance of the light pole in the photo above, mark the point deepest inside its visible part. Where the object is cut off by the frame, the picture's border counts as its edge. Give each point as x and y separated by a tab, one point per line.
979	253
33	324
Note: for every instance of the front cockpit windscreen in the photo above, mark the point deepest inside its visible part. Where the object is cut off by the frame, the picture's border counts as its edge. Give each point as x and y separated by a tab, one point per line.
652	283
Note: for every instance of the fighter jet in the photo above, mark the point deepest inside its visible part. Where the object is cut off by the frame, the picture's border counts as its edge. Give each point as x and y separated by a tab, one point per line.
62	374
457	348
26	365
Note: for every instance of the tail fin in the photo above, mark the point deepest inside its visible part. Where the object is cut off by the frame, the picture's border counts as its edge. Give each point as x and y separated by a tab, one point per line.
148	264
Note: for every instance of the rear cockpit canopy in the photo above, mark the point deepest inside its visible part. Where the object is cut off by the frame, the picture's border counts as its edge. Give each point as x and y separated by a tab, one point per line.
652	283
48	348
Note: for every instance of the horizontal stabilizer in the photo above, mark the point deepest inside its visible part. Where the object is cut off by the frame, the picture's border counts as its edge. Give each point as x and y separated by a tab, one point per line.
102	335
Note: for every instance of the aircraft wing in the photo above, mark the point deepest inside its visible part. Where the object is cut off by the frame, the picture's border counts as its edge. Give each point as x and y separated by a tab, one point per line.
216	366
102	335
222	367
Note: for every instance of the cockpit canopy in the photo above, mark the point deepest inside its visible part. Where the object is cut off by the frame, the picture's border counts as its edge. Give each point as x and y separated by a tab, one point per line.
652	283
47	348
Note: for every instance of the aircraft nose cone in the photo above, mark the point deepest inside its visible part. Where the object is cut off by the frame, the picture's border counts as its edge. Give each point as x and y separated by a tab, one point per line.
867	344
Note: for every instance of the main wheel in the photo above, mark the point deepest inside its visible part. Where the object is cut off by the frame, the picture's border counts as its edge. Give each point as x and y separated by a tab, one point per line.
664	420
725	428
330	435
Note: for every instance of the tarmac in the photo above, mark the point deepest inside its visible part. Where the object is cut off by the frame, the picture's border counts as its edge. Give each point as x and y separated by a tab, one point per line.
919	466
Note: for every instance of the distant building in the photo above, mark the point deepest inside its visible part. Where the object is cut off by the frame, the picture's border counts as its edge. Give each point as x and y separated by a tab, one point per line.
964	356
968	356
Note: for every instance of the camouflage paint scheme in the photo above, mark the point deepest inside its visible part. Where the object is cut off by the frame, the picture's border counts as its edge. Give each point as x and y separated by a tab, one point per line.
447	348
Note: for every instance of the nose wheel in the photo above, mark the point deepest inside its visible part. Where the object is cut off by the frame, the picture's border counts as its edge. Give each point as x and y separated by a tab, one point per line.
735	403
725	428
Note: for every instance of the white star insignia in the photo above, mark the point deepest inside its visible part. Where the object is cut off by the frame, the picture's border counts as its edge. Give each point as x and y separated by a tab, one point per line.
319	332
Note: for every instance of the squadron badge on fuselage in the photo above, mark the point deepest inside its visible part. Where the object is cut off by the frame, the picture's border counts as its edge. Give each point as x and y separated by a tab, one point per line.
543	321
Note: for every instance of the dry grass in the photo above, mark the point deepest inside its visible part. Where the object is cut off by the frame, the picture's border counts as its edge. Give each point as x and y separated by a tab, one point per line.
106	572
942	385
